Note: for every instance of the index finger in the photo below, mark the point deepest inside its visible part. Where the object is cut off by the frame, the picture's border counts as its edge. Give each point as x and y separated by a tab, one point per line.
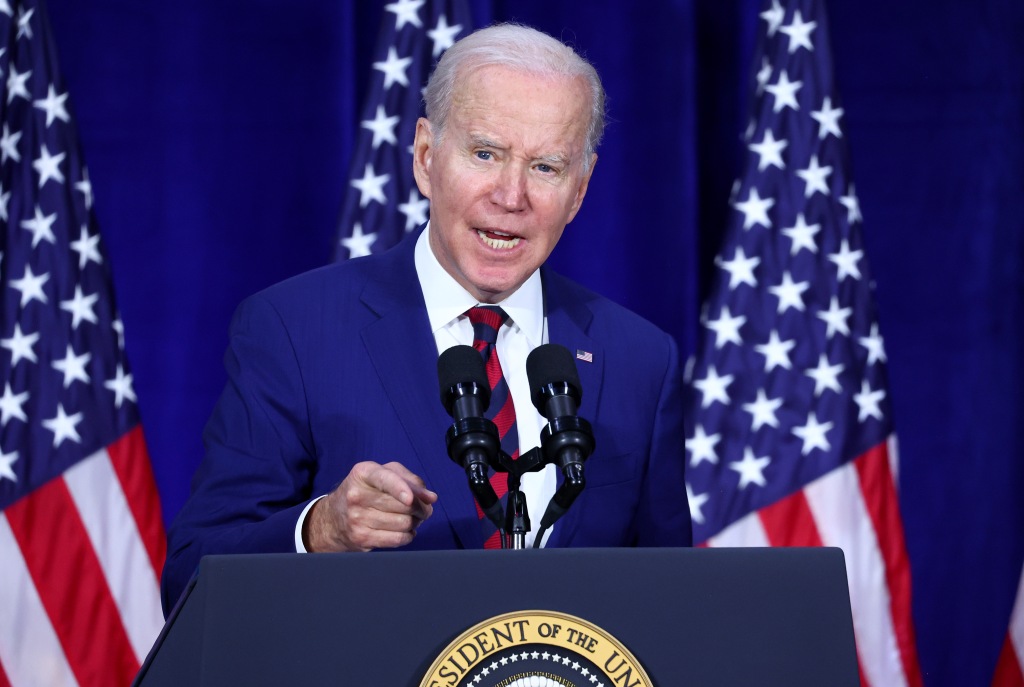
420	490
389	482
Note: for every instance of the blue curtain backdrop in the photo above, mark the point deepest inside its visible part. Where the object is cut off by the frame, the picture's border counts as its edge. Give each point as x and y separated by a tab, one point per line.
218	135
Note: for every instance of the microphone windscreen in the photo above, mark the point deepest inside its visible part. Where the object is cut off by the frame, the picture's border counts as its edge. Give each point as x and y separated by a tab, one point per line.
550	364
460	365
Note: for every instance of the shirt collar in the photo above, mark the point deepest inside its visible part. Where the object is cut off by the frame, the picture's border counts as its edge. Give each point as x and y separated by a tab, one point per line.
447	300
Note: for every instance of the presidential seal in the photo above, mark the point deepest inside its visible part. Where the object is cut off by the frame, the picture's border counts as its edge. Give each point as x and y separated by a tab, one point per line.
536	649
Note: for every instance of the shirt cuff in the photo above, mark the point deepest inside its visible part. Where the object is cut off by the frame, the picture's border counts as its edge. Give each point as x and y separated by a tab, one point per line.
299	546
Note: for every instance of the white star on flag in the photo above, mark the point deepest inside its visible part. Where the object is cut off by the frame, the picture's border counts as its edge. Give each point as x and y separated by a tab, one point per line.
702	447
11	405
868	402
826	376
443	35
846	261
774	16
41	227
755	210
785	92
769	151
727	328
789	293
696	502
740	269
81	307
383	127
371	186
802	235
394	68
852	206
9	145
828	119
48	166
406	12
816	177
31	286
20	345
121	385
7	461
874	345
713	387
751	469
799	33
813	434
762	411
836	318
16	84
415	210
64	426
358	244
776	352
53	105
87	248
73	367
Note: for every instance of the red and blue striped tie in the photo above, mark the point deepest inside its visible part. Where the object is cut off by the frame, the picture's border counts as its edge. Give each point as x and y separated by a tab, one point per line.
487	320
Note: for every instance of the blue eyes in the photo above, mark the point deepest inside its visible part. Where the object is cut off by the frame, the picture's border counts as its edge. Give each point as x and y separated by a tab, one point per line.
487	156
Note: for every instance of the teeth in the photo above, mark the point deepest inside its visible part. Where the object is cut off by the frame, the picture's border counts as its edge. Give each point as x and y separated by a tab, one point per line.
498	244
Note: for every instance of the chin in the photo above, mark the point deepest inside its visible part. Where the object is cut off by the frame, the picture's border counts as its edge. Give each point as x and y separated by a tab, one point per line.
493	290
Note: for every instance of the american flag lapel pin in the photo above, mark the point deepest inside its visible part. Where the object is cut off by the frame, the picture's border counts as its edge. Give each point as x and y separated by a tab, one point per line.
585	356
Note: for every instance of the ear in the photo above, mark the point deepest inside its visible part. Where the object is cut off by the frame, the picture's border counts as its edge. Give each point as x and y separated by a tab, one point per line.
577	200
422	155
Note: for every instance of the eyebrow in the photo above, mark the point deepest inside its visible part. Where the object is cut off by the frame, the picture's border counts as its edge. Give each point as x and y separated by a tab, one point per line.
485	142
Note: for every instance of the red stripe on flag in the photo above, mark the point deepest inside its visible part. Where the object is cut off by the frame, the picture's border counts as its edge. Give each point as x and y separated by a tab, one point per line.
881	500
72	587
130	459
4	681
789	522
1008	670
860	670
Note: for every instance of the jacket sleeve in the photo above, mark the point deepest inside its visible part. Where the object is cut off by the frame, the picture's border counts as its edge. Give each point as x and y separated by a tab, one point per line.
664	515
255	477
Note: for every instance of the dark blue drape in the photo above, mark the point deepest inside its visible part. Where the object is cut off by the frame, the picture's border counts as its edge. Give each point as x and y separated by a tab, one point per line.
218	134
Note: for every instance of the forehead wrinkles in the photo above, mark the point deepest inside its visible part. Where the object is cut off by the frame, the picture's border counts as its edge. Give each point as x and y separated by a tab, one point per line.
536	117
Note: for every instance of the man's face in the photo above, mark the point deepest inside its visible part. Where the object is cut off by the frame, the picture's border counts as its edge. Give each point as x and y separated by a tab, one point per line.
506	177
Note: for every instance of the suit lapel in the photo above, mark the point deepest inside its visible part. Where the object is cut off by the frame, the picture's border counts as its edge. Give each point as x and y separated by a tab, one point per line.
569	321
404	354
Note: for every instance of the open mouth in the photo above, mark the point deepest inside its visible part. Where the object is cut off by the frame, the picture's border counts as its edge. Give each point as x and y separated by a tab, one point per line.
498	240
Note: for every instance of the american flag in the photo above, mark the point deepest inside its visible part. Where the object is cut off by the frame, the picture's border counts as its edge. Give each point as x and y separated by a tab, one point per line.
81	536
789	428
382	202
1010	668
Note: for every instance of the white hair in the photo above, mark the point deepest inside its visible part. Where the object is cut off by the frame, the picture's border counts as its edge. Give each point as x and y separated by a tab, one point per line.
520	48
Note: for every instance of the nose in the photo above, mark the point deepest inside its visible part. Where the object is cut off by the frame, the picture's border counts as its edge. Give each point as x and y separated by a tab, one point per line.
509	191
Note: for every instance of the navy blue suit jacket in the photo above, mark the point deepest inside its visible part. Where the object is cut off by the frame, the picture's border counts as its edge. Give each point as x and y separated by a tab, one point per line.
339	365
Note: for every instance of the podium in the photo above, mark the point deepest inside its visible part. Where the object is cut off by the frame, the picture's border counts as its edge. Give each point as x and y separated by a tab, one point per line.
700	617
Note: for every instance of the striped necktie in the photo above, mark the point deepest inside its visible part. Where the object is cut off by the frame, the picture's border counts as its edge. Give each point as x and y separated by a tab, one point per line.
487	320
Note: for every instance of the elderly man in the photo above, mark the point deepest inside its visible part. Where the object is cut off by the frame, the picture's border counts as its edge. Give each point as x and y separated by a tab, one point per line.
329	434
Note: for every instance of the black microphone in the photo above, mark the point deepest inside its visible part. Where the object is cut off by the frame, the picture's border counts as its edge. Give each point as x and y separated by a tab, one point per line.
567	439
472	441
